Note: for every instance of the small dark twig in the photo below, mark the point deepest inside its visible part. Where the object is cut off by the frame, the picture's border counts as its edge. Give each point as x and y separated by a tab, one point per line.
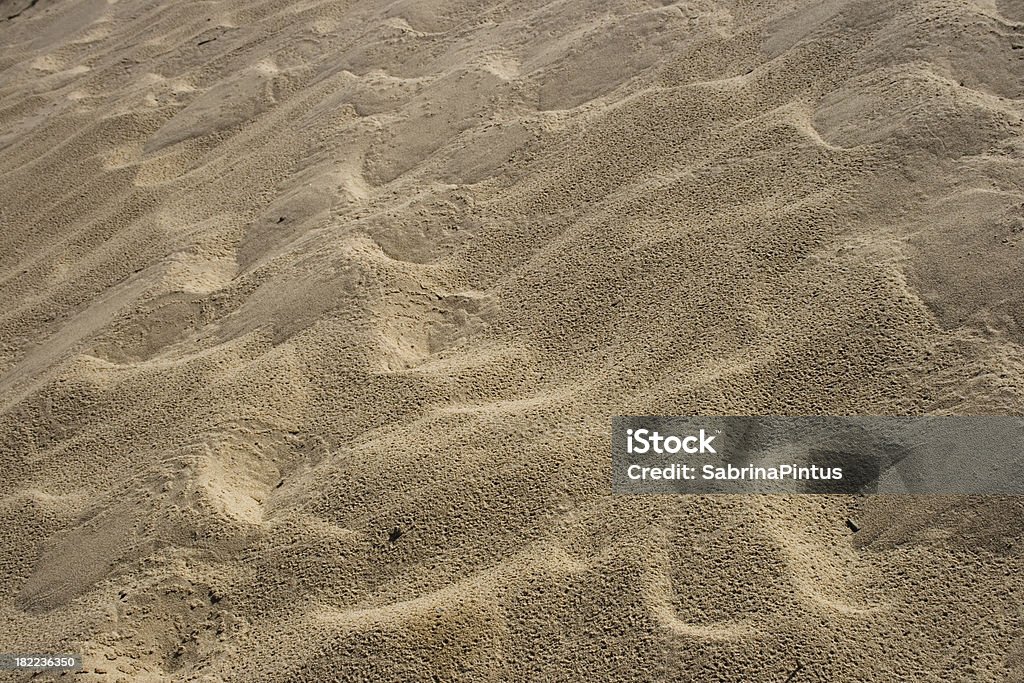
792	675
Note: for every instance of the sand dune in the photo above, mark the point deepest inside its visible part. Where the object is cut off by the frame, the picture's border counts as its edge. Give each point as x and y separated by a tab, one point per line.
313	316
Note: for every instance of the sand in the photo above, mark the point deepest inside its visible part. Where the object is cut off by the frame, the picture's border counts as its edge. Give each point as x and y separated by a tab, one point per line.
314	315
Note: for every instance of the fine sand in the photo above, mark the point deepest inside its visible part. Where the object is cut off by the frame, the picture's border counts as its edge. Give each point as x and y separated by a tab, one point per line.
314	315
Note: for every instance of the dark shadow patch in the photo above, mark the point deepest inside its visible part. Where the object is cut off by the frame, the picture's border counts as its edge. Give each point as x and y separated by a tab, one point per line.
13	10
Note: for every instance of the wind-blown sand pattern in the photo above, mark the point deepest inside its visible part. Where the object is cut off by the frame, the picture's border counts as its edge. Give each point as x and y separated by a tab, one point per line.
313	316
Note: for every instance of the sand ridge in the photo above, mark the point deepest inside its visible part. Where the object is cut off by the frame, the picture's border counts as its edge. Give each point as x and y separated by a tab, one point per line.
280	279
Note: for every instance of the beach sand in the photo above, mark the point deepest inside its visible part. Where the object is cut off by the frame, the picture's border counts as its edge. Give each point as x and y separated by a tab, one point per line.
314	316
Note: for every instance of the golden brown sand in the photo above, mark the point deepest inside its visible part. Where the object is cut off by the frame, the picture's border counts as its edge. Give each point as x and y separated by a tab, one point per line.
313	317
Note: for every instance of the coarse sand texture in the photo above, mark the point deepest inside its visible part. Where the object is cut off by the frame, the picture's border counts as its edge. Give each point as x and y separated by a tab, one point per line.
314	316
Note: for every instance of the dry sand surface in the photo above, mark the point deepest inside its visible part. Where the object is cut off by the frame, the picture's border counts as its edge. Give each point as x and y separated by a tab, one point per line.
313	316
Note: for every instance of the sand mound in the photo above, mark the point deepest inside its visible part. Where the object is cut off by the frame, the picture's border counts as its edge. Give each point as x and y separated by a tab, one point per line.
313	316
